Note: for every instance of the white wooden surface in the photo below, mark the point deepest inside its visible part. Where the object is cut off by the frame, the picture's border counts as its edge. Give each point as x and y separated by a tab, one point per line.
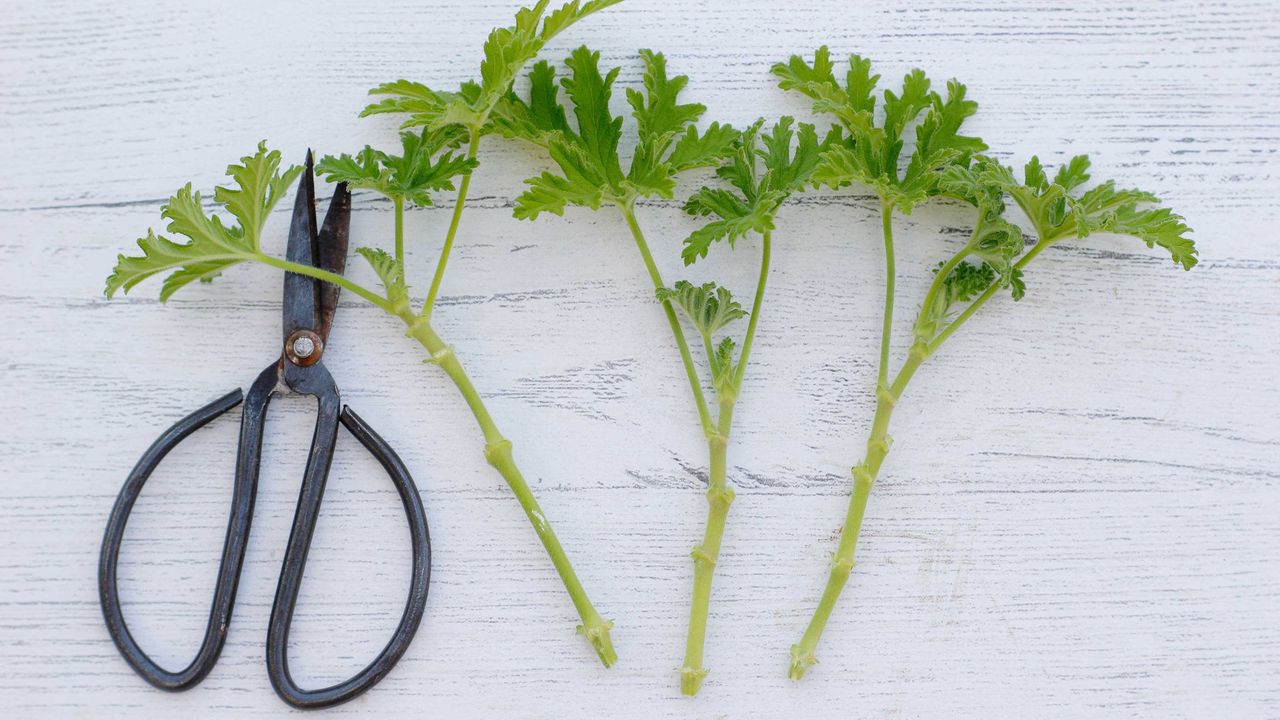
1079	518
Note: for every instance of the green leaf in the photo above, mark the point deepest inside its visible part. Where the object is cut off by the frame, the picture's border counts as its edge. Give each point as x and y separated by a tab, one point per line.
734	218
211	246
724	366
998	243
1059	210
1034	177
551	193
702	149
587	151
839	167
699	242
709	307
538	120
983	184
1017	284
364	171
389	271
659	115
422	167
870	153
788	158
939	143
660	119
1072	175
1154	226
427	163
965	282
258	187
424	106
599	132
853	104
506	52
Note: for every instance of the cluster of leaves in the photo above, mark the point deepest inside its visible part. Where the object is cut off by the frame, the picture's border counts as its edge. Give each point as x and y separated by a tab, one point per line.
710	308
211	246
591	171
506	52
390	272
945	162
1057	209
995	241
762	172
429	162
431	159
870	153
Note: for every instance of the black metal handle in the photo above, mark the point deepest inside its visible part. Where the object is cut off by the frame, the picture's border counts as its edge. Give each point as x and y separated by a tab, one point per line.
314	380
228	572
295	559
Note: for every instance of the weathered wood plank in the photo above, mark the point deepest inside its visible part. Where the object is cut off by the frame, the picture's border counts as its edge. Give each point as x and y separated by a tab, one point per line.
1077	519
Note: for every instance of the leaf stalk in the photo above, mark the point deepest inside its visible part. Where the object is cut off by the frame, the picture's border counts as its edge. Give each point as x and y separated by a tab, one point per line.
473	146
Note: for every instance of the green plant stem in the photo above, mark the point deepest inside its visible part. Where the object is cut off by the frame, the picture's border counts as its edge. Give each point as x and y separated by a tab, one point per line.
695	386
463	186
497	451
327	276
398	203
886	326
803	654
719	497
765	244
707	554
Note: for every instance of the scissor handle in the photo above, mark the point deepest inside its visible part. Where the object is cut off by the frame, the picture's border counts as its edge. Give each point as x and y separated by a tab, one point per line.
313	380
233	548
304	523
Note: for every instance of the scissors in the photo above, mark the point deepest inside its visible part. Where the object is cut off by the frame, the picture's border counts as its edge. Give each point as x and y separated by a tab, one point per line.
309	305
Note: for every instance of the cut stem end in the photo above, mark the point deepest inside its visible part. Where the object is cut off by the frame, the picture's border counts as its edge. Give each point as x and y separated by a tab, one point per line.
801	660
597	633
691	680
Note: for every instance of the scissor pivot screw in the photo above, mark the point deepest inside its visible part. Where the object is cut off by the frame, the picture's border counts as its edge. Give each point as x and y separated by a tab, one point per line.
303	348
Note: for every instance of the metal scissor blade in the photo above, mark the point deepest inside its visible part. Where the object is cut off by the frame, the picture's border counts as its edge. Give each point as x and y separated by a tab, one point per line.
302	293
331	253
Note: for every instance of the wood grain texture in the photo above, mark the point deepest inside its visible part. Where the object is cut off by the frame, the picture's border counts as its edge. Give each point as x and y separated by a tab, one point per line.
1078	519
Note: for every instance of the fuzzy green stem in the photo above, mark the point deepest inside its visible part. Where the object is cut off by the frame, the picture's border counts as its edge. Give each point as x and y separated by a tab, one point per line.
695	386
804	653
755	314
940	280
705	556
719	497
472	147
497	451
326	276
886	327
398	202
